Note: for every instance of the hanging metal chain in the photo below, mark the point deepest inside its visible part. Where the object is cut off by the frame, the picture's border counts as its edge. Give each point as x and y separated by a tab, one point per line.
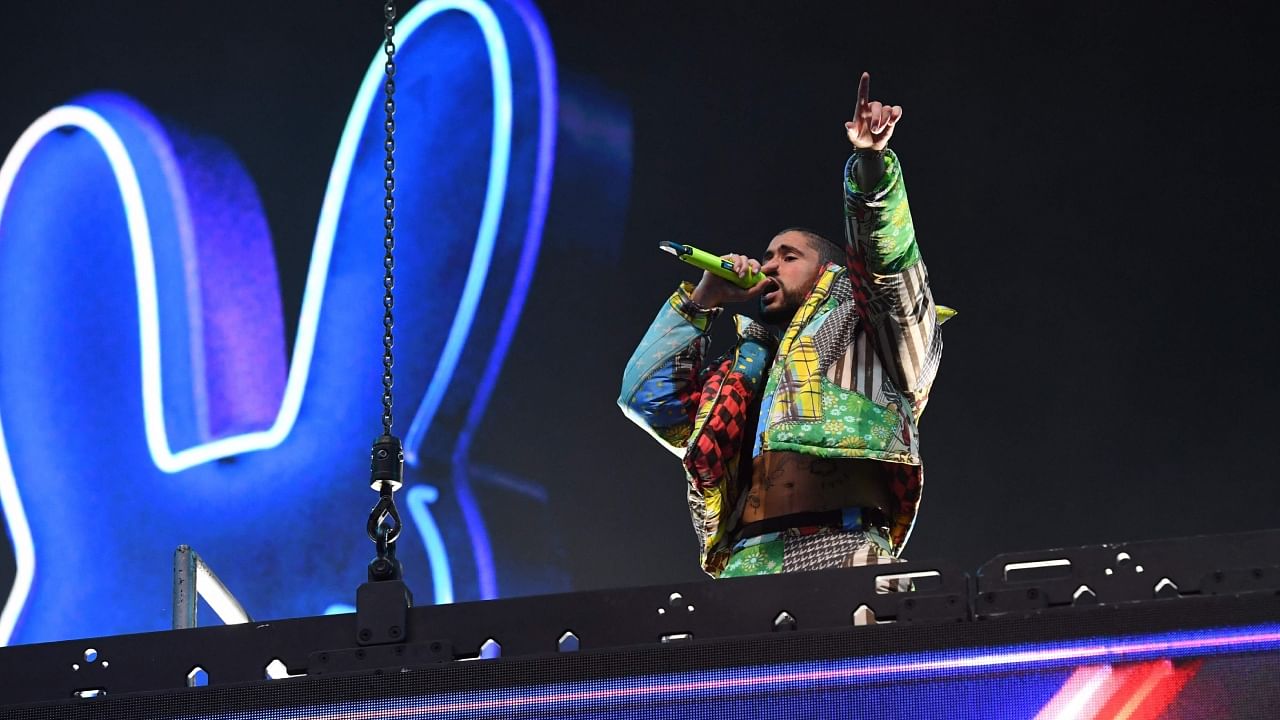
387	458
389	205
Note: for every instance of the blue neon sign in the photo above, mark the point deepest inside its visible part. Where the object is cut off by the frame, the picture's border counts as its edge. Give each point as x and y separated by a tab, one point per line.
144	395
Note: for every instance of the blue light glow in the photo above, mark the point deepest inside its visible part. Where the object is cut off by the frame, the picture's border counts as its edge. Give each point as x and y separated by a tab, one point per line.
519	291
148	320
483	253
175	454
419	497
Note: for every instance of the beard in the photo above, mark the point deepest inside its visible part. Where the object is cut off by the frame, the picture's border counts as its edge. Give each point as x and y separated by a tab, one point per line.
780	315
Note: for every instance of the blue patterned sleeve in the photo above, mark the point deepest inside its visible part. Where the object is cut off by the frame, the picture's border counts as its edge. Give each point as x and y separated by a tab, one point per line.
661	384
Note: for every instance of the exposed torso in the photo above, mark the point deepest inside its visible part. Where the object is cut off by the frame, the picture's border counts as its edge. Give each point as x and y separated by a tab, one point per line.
783	483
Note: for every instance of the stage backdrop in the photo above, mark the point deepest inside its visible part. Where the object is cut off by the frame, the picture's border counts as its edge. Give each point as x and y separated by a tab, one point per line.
190	264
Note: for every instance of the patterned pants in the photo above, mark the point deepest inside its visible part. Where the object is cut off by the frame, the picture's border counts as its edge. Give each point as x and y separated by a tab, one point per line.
817	548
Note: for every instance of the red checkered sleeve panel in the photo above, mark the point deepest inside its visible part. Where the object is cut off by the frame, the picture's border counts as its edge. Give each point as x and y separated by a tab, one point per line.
905	482
725	401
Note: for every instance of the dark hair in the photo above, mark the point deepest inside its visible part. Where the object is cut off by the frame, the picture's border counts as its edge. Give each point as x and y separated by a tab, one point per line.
828	250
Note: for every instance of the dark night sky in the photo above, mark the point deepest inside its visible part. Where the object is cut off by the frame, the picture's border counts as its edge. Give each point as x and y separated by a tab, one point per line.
1092	186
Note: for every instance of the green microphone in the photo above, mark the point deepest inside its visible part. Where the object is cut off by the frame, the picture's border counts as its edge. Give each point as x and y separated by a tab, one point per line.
706	261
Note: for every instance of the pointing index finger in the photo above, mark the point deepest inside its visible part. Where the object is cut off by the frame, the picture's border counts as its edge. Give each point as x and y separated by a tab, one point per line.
864	89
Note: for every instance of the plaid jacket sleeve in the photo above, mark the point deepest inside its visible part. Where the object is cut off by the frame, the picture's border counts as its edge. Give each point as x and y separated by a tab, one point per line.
890	281
662	382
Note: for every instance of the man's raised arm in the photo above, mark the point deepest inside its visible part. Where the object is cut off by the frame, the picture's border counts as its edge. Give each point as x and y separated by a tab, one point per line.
889	278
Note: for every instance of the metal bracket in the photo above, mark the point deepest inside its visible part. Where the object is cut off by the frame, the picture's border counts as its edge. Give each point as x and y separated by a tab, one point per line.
382	612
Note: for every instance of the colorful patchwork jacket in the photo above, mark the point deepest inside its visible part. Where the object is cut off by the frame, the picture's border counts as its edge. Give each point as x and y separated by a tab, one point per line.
848	378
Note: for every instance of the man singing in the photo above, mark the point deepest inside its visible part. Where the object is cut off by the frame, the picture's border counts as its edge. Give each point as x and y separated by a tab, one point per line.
800	443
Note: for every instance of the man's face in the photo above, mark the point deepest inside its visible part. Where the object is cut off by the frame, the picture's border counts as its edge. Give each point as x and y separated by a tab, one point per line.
793	265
